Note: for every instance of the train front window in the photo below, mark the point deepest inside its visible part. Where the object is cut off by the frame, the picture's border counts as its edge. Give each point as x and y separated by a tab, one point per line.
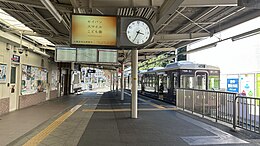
187	82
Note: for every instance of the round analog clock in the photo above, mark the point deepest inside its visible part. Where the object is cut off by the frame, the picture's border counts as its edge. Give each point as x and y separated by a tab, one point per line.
138	32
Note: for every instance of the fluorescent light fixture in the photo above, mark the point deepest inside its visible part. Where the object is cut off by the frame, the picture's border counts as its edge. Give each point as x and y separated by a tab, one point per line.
246	34
52	10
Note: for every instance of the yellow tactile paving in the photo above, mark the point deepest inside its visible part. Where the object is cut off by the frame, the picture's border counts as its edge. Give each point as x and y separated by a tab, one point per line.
126	110
152	104
44	133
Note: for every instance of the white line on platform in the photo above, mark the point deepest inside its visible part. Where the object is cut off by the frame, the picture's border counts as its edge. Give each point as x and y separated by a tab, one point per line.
220	138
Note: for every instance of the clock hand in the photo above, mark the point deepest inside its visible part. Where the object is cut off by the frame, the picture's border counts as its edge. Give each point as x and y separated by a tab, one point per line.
141	33
135	36
138	32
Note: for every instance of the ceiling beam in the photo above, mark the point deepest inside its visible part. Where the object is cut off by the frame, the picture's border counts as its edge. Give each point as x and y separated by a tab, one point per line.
38	4
163	14
208	3
39	16
14	10
179	37
156	50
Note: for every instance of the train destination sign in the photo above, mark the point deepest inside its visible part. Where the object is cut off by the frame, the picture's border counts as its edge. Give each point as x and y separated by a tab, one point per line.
93	30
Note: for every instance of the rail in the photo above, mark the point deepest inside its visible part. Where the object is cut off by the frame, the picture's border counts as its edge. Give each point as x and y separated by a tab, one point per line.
214	104
246	115
240	111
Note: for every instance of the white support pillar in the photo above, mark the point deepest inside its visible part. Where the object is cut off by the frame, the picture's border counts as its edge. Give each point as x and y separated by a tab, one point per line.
134	73
116	81
71	70
122	82
111	78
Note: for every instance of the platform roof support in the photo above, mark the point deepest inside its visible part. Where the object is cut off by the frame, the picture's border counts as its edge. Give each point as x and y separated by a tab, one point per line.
134	75
122	81
111	80
116	81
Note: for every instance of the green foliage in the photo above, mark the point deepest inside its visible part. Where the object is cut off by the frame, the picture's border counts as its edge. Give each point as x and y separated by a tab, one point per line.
154	62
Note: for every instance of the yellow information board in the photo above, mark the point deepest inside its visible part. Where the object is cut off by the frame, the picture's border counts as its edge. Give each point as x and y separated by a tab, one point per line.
93	30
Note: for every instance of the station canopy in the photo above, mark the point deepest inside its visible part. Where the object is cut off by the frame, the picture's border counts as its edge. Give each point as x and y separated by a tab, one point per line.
176	23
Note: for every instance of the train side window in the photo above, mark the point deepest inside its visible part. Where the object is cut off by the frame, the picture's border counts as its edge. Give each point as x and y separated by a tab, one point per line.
187	82
168	82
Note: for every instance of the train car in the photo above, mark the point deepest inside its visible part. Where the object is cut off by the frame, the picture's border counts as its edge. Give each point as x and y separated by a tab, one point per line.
162	83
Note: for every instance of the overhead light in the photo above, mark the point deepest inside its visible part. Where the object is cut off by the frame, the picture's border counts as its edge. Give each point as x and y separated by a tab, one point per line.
246	34
52	10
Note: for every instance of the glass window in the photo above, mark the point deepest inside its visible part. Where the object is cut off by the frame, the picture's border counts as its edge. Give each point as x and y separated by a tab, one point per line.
168	82
201	82
13	75
187	82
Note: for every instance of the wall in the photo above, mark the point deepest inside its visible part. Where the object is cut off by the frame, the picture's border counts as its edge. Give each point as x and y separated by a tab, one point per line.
13	101
4	89
241	56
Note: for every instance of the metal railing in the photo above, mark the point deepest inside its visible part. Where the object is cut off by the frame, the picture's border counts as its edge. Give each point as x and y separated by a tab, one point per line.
246	113
241	111
214	104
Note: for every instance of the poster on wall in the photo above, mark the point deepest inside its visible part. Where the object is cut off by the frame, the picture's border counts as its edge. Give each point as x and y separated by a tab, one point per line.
233	85
3	68
247	84
258	87
34	79
54	80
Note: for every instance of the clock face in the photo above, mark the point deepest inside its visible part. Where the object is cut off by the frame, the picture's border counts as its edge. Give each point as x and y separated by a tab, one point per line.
138	32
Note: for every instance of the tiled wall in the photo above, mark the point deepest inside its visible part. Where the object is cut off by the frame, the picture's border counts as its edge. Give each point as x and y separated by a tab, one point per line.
32	99
54	94
4	106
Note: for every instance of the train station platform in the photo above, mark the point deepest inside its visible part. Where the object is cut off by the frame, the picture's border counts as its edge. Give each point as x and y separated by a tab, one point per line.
100	118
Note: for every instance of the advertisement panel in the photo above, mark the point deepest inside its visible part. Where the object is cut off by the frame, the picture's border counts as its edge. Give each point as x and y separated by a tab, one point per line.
258	85
3	68
93	30
233	85
258	88
247	84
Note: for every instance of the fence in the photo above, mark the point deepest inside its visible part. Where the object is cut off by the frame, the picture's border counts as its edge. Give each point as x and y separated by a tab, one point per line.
240	111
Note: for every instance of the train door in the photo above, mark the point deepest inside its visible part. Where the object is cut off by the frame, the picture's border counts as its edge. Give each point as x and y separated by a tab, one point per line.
201	80
172	84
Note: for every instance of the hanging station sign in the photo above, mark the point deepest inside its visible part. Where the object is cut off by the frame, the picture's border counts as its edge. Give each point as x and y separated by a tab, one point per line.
91	30
106	56
110	31
16	58
85	55
65	54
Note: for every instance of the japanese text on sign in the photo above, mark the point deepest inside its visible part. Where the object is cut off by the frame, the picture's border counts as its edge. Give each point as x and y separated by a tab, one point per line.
93	30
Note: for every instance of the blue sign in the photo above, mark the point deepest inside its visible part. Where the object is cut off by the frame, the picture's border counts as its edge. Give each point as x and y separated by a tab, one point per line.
233	85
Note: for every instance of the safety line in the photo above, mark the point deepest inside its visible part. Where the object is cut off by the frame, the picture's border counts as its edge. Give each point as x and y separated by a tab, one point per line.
44	133
152	104
126	110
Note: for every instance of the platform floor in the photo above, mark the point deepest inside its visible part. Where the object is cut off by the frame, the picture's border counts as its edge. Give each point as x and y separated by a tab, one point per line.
101	119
